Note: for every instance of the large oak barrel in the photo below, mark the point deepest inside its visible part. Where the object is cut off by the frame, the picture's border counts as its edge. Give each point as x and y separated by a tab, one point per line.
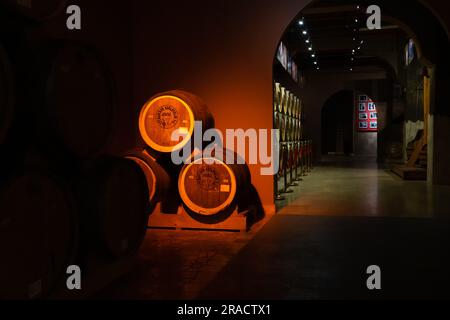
6	95
169	112
276	96
210	188
287	101
72	99
113	194
38	236
282	99
158	180
283	127
38	10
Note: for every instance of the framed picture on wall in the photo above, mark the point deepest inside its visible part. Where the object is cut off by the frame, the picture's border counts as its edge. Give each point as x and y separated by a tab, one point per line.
362	107
362	98
373	116
363	125
373	125
363	116
371	106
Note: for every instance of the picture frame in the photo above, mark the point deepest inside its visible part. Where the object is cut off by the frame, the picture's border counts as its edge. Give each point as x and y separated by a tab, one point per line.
363	125
371	106
363	116
373	116
362	107
373	125
363	98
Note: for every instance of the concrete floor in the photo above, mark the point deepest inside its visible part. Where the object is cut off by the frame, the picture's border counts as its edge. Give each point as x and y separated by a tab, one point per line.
360	187
344	217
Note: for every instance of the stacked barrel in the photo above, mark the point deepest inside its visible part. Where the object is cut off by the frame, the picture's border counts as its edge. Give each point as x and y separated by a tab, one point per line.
62	199
209	187
295	156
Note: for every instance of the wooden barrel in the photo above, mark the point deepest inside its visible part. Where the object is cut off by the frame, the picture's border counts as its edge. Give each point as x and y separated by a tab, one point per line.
210	189
38	236
294	107
282	126
113	195
277	96
37	10
158	180
289	128
287	101
291	105
172	112
282	99
283	159
294	129
6	95
73	99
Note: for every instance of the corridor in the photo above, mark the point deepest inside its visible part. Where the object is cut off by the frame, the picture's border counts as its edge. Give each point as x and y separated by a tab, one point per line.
346	186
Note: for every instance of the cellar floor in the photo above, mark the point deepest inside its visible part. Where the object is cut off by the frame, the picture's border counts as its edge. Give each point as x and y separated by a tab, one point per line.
343	218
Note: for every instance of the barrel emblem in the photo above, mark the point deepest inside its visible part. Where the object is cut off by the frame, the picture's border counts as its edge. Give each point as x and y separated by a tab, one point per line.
167	117
207	178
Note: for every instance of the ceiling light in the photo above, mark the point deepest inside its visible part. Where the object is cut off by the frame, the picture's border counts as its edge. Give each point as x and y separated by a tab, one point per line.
301	22
313	55
356	20
315	62
305	32
310	48
307	40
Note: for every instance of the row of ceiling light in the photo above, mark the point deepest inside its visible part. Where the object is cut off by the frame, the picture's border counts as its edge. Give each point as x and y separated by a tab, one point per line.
357	43
308	42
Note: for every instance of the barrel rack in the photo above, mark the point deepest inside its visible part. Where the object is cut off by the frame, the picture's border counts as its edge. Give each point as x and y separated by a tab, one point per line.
237	222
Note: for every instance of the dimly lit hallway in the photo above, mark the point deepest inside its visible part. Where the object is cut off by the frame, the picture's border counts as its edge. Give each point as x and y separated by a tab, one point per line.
360	187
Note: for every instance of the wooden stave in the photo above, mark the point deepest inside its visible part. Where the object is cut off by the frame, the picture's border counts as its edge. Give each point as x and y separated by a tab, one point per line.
282	99
101	234
158	189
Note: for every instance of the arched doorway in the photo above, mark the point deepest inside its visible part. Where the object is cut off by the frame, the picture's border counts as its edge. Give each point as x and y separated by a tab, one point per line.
328	58
337	124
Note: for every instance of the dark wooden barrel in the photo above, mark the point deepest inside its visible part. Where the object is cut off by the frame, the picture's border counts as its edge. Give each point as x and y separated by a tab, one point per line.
283	127
210	188
276	96
113	195
6	95
73	99
158	180
169	112
37	10
38	236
